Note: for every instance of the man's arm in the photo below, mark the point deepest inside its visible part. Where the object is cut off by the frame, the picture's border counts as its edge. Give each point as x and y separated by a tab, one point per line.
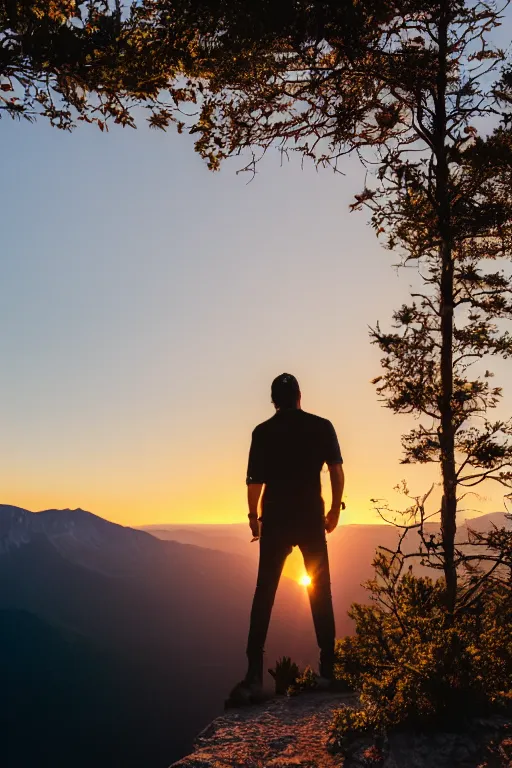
337	485
255	479
253	497
334	460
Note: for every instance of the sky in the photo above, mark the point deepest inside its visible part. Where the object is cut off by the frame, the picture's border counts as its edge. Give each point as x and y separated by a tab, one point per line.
146	304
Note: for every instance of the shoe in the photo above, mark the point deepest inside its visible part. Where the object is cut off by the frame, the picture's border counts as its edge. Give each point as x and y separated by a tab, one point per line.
250	689
244	694
323	683
326	681
331	684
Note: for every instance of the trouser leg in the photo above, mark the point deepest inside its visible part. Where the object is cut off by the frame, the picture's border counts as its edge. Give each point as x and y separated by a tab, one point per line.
316	561
273	553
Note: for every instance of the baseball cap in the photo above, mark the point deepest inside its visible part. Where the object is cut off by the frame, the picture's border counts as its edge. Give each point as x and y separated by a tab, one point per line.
285	390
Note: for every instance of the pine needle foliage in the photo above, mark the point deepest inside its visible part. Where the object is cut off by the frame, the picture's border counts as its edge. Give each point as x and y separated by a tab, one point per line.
411	669
99	61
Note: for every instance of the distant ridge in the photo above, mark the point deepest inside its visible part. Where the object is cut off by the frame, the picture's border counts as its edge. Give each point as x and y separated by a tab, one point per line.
498	518
172	614
78	535
233	537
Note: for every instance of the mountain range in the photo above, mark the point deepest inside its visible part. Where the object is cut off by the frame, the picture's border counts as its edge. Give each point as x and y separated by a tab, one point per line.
169	618
351	551
118	644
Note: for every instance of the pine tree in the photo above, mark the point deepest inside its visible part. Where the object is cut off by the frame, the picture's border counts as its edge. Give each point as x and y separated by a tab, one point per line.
420	93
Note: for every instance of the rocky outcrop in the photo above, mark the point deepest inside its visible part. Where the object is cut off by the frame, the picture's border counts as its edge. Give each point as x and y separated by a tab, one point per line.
284	732
295	733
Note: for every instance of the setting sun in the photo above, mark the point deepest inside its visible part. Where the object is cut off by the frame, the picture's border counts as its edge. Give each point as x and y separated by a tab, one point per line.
305	580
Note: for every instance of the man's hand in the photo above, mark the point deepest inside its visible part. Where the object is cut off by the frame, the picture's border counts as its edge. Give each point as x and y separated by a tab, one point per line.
254	526
253	496
337	485
331	520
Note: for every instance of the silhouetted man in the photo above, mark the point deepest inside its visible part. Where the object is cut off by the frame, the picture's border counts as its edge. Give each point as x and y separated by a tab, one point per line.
286	456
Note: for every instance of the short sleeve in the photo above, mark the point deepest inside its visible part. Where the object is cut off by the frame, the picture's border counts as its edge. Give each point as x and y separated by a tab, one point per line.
332	453
256	467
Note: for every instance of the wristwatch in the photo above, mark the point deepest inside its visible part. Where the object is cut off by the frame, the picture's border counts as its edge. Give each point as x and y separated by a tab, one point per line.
343	505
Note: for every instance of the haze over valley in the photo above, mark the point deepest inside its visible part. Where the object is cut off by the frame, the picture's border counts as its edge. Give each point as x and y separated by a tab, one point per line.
142	630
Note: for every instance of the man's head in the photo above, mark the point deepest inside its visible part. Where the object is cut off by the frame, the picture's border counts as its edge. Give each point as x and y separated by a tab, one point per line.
285	391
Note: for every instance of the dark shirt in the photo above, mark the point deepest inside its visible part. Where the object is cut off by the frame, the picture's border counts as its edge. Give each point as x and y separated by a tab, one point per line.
287	453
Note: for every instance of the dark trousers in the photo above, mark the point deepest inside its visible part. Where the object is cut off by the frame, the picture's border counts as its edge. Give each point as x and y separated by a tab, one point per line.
275	546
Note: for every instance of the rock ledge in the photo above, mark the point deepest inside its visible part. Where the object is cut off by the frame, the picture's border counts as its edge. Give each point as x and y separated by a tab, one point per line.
283	732
294	733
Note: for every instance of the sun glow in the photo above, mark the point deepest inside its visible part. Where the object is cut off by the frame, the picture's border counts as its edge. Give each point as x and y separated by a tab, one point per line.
305	580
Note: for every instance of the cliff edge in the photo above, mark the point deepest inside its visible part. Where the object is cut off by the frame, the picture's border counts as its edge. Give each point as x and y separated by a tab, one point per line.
285	731
295	733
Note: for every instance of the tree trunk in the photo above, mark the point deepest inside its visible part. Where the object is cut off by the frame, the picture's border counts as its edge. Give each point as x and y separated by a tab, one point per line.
447	426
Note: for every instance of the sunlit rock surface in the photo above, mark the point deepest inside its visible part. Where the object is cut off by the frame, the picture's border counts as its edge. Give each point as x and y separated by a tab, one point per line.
291	732
294	733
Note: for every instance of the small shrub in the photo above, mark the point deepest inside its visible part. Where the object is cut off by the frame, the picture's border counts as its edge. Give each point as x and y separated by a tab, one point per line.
307	680
285	674
412	668
346	725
